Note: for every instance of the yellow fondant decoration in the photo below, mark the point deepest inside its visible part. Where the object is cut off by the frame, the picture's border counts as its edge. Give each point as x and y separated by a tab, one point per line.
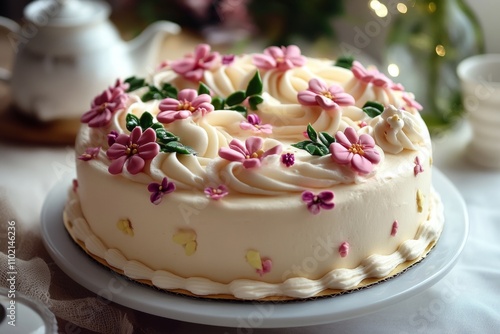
253	258
184	236
420	201
190	248
187	239
125	226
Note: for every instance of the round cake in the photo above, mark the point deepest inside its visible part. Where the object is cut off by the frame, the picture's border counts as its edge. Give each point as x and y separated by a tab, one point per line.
255	176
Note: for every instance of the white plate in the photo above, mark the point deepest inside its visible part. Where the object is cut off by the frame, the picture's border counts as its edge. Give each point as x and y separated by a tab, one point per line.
99	279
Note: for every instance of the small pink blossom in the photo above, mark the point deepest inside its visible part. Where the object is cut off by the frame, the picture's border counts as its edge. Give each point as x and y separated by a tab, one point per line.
394	228
283	58
188	102
373	76
120	84
362	124
112	137
249	153
410	101
194	65
288	159
344	249
216	193
418	166
90	153
228	59
267	265
133	151
158	190
327	97
162	65
317	202
105	105
360	152
254	123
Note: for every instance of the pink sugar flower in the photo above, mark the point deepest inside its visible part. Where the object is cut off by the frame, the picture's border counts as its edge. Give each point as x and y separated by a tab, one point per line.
360	152
249	153
188	102
162	65
283	58
317	202
120	84
228	59
418	166
410	101
267	265
133	151
105	105
394	228
344	249
288	159
112	137
90	153
216	193
193	66
329	98
158	190
254	123
373	76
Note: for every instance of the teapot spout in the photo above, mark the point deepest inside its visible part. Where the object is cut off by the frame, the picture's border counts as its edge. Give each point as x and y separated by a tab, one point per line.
145	48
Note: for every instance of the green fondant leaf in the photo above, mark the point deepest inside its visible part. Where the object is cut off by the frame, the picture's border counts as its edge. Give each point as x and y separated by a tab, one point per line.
157	125
218	103
254	101
254	86
316	149
146	120
135	83
131	121
177	147
311	133
203	89
169	90
302	145
326	138
313	146
154	93
345	62
241	109
164	137
373	109
236	98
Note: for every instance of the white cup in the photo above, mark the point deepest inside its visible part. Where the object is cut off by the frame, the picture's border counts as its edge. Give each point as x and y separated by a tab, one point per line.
480	80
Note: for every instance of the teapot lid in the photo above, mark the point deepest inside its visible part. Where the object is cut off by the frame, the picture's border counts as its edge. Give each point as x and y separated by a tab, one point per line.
66	12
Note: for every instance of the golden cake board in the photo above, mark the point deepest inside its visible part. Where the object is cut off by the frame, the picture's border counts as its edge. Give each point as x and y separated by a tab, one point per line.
366	283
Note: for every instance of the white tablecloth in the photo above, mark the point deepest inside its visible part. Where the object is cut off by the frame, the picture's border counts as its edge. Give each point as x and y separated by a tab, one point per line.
467	300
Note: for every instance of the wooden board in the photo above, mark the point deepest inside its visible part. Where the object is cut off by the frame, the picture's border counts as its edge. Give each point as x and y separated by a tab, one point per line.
21	129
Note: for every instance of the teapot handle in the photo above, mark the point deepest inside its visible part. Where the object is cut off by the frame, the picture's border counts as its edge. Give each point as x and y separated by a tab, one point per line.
14	28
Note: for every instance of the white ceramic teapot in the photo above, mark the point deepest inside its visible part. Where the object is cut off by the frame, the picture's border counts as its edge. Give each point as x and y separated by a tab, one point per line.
67	51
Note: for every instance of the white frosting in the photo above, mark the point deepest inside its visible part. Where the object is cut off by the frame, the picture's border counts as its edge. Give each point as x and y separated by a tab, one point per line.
374	266
264	210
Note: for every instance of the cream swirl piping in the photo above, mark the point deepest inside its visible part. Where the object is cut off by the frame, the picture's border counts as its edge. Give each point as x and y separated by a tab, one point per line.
396	129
